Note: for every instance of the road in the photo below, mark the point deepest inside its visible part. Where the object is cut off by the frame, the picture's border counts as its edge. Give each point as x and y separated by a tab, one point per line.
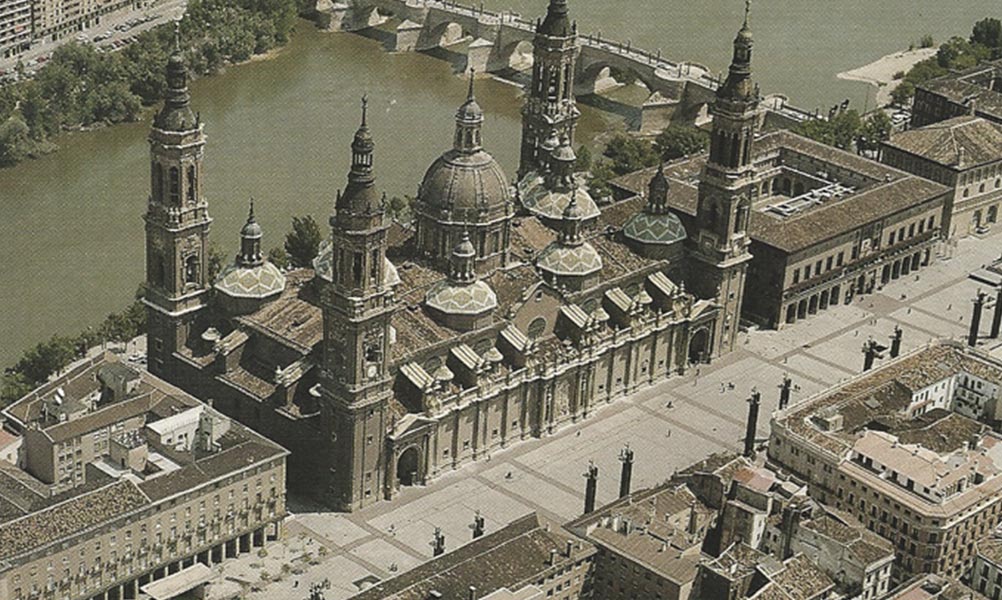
162	11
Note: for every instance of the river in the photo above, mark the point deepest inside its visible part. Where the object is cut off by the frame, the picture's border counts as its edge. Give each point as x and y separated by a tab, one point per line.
278	130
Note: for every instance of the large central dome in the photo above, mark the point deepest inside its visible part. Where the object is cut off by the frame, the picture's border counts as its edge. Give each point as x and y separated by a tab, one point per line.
465	192
458	182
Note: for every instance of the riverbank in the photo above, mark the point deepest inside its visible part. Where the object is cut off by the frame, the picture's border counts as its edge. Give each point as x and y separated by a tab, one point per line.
880	73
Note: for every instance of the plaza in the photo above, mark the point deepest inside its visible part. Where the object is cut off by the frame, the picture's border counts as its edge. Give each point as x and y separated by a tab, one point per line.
669	426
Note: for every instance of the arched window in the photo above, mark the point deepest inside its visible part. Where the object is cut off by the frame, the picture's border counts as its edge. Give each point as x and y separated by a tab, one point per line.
191	269
175	185
536	327
159	272
191	184
158	182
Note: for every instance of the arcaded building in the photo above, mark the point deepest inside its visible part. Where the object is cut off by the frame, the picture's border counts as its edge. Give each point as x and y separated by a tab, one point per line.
825	224
505	312
908	451
124	482
963	153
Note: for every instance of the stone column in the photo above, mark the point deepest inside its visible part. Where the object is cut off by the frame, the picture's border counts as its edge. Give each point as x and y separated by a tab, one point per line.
591	487
626	475
997	318
979	304
752	425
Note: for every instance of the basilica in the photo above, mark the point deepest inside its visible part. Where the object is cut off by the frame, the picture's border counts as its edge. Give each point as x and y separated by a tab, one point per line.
511	306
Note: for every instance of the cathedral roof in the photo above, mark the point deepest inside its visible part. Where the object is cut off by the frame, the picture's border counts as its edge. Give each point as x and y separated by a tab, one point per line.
458	181
262	281
541	201
462	298
650	228
560	259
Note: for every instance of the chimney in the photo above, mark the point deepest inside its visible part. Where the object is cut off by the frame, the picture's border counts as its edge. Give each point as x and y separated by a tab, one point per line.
570	548
973	105
553	557
473	593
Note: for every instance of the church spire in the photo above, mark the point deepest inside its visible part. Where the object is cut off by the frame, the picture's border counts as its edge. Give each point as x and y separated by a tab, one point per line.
250	241
657	192
570	228
738	85
360	197
469	124
557	23
176	114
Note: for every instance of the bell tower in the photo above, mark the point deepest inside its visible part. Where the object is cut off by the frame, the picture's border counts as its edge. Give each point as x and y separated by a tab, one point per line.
724	205
357	307
549	110
177	223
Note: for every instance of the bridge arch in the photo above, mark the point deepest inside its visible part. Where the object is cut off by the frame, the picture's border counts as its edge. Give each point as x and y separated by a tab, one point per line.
516	55
444	34
589	80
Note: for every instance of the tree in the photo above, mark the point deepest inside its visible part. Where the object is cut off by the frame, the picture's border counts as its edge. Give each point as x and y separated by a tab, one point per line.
987	32
902	94
279	257
676	141
45	359
598	185
216	262
400	208
303	242
584	158
13	386
629	153
15	143
926	41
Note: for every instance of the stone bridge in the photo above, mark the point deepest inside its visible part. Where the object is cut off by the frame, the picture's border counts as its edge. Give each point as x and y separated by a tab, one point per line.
502	41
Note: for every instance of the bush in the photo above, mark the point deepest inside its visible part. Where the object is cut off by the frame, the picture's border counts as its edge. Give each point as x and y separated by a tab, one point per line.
629	153
677	141
303	242
926	41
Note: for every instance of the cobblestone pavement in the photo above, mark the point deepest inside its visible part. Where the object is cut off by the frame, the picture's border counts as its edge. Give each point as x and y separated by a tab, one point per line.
670	425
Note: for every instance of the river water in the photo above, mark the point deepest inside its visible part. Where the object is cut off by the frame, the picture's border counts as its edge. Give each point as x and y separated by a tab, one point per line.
278	130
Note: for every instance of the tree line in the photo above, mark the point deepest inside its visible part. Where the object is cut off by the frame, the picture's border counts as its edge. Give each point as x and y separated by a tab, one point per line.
957	53
81	87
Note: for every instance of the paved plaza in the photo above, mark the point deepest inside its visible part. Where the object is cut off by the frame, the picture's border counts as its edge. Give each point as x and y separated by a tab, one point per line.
670	425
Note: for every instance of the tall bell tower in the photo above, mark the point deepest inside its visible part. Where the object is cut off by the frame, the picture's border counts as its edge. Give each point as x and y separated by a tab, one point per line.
177	223
357	307
549	110
724	206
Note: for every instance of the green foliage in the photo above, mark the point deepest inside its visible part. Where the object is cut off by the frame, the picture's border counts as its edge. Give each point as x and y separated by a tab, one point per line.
987	32
400	209
303	242
35	366
956	53
279	257
584	158
629	153
216	262
840	131
601	172
677	141
877	128
926	41
15	143
80	86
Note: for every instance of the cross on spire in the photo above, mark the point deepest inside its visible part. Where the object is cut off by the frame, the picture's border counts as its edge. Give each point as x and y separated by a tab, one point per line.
250	214
469	94
177	35
365	107
747	11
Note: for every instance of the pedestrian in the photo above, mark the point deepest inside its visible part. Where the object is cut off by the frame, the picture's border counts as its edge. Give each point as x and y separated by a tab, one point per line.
577	434
949	306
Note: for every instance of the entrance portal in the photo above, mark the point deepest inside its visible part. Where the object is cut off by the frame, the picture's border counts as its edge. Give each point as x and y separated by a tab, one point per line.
699	346
407	467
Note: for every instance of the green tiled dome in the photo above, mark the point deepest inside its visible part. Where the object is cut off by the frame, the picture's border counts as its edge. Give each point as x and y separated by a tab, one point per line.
262	281
461	298
551	204
563	260
648	228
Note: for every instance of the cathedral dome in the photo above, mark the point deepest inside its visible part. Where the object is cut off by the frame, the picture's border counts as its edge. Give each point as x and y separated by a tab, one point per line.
259	282
461	181
562	260
550	204
648	228
450	298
